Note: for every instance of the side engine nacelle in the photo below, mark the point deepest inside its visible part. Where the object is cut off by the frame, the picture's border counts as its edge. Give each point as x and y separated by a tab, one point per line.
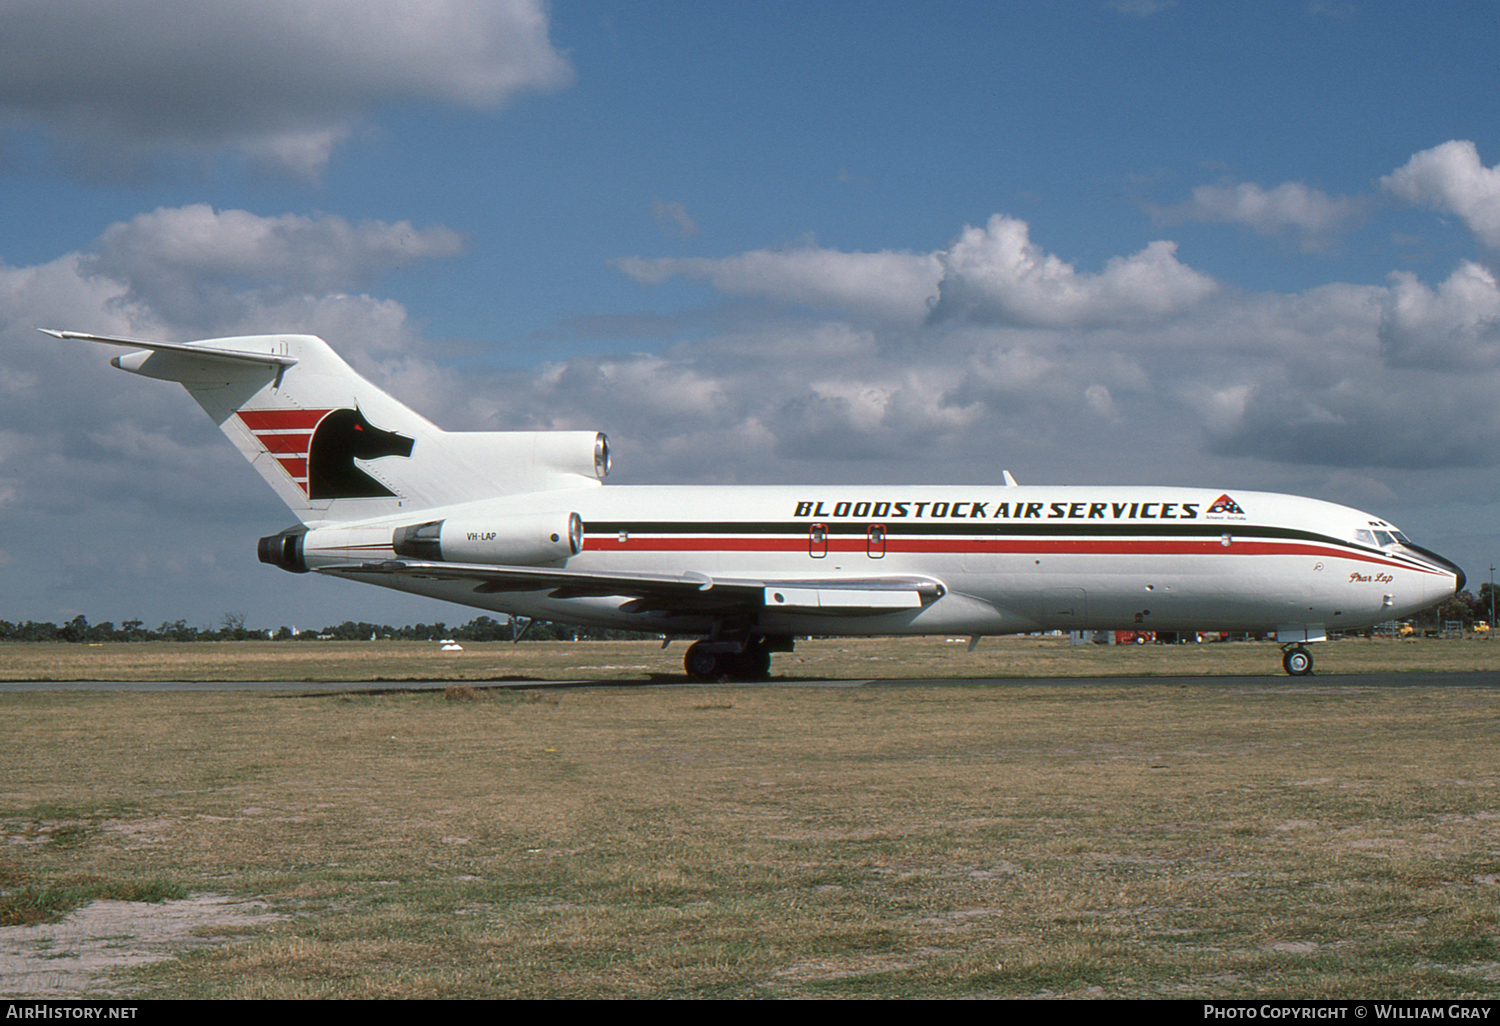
526	540
502	540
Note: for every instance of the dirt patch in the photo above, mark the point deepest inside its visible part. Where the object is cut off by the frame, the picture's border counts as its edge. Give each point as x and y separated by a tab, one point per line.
75	956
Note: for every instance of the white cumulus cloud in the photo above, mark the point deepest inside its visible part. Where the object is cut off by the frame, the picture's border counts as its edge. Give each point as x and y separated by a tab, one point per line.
281	82
996	274
887	285
317	253
1314	216
1451	178
193	265
1453	327
993	274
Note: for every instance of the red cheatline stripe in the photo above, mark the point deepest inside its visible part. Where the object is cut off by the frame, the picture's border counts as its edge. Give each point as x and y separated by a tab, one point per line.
960	546
281	420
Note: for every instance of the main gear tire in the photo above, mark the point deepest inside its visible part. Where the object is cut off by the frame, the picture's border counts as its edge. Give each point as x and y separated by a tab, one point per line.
702	664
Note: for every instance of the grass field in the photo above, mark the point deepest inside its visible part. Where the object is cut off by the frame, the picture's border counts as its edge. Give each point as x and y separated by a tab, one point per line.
1238	838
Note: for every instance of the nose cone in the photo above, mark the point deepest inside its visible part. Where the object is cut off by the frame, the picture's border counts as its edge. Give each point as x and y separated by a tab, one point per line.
1459	580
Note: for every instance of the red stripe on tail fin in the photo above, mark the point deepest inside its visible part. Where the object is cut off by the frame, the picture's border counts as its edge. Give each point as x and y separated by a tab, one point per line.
281	420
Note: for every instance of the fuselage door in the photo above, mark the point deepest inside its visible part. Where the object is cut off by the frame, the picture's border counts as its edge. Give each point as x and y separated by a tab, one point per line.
817	540
875	541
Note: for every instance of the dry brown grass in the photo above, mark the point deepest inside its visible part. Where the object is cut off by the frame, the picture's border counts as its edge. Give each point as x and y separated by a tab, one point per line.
1232	839
847	658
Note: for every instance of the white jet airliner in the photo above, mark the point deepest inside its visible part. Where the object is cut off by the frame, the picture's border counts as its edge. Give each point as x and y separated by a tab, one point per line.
517	522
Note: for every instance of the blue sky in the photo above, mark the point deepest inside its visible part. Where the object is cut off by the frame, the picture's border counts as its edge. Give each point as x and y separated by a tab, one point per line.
1241	245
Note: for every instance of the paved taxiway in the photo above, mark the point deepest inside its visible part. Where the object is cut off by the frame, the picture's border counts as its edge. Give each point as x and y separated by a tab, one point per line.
1470	679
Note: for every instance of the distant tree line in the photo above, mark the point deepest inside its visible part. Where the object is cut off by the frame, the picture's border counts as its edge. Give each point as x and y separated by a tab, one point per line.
1465	606
231	627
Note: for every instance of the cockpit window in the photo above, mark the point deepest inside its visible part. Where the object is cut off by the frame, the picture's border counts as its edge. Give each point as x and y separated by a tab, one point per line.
1376	538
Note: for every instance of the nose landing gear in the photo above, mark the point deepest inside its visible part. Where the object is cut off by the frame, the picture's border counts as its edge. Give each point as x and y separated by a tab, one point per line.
1297	661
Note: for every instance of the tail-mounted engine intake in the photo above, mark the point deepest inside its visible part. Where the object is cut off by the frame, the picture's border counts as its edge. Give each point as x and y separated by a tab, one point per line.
510	541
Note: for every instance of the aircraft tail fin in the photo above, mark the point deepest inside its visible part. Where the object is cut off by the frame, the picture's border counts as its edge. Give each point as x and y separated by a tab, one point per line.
335	447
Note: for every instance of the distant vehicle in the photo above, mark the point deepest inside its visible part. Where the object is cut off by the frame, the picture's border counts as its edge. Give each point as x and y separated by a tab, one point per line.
518	523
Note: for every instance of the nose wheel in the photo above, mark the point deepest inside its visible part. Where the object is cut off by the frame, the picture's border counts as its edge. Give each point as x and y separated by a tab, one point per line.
1297	661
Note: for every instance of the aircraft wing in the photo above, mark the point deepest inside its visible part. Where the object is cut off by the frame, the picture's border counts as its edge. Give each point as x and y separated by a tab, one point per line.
685	593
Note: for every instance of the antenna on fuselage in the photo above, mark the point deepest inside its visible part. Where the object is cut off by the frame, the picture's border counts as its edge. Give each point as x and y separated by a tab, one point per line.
1010	482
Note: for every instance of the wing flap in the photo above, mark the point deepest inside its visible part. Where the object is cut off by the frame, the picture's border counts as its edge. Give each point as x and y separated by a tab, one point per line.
840	598
687	592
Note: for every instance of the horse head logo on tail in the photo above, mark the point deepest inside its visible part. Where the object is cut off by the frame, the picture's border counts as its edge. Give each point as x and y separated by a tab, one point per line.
340	438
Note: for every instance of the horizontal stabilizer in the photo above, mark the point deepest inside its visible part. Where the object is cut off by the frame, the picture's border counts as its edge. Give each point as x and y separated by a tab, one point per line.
203	352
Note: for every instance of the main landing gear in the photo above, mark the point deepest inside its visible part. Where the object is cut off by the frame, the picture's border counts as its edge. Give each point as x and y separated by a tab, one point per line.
1297	661
733	660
